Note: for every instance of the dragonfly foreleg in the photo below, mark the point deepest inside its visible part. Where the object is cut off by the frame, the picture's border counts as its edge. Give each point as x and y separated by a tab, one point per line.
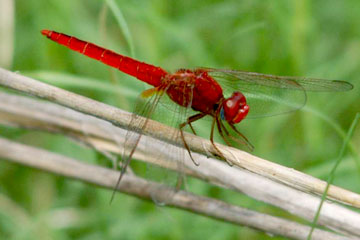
213	143
243	141
246	141
220	130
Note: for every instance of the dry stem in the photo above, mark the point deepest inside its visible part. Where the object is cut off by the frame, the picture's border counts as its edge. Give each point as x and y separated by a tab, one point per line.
135	186
259	187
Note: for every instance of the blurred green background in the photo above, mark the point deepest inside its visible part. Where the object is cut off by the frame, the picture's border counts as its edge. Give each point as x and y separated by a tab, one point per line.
307	38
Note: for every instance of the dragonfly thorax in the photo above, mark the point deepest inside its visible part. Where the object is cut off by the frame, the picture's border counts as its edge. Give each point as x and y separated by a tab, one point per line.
234	109
195	89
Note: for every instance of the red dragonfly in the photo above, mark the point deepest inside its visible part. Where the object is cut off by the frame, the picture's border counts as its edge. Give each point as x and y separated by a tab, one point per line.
250	94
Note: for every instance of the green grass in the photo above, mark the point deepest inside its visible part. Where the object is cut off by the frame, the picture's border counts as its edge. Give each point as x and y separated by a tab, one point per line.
308	38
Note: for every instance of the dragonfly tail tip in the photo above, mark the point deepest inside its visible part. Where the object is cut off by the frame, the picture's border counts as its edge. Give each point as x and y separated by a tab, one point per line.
45	32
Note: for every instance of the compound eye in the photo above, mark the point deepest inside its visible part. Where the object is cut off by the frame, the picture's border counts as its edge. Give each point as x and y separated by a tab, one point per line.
235	108
241	114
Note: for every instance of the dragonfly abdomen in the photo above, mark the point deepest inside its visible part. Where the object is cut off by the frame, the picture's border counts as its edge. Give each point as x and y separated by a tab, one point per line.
142	71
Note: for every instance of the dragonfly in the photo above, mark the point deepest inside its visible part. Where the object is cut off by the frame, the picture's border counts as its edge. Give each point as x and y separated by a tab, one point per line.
227	96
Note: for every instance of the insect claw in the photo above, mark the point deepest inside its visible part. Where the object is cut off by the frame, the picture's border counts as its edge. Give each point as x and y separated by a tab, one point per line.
250	146
230	163
196	163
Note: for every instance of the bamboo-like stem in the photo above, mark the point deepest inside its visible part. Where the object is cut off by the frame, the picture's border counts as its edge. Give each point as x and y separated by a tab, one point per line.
120	118
51	162
29	113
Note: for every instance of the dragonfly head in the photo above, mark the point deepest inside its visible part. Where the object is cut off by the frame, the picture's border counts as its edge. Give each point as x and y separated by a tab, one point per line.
234	109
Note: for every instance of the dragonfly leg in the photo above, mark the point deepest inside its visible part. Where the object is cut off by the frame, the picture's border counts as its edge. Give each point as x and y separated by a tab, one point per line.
188	122
243	141
219	125
212	140
246	141
187	146
192	119
192	129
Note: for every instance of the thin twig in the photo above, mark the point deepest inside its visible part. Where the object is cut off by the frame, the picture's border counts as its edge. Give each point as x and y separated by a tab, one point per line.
141	188
35	114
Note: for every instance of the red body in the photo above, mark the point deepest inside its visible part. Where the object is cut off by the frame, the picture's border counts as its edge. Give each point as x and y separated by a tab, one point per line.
200	91
196	88
184	87
142	71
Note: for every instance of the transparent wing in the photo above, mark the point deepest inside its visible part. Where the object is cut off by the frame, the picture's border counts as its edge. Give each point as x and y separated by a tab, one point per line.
144	108
270	95
153	104
168	167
